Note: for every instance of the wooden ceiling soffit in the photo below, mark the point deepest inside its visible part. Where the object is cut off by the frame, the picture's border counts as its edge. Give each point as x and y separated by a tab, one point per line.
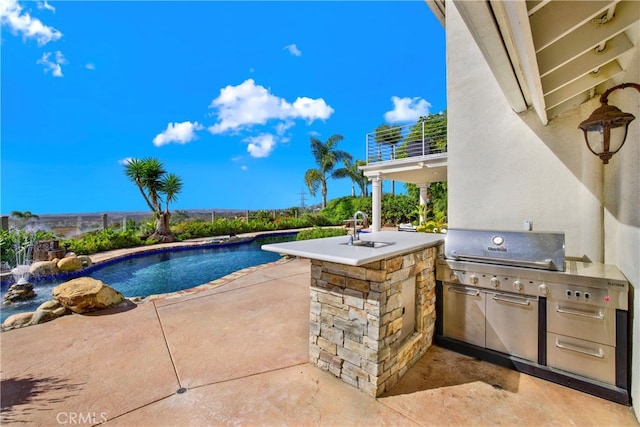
585	63
586	37
559	18
582	84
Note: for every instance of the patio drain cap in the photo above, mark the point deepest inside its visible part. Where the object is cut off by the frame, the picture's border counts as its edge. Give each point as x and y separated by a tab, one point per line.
181	390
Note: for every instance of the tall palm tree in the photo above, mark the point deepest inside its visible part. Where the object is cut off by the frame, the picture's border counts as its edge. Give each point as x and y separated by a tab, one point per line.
327	156
154	182
351	171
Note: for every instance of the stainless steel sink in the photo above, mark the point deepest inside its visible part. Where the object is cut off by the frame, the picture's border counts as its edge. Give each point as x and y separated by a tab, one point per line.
367	244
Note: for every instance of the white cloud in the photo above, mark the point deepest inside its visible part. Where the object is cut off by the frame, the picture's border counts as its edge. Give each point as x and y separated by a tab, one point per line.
244	167
407	109
90	66
282	127
54	67
12	16
313	133
236	158
293	50
177	132
45	5
125	161
248	104
261	145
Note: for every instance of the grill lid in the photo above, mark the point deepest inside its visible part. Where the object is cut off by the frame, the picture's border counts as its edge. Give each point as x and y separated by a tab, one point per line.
540	250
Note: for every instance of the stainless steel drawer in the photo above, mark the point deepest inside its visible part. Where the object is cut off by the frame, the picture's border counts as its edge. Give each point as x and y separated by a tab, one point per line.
512	325
588	322
464	314
586	358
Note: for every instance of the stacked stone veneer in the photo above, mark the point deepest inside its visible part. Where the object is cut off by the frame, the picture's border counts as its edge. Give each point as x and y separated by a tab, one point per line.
356	318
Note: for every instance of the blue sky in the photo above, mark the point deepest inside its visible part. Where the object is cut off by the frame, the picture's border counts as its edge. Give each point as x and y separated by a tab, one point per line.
225	94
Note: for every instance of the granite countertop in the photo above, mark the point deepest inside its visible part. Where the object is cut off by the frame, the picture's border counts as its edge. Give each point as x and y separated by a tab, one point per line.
335	249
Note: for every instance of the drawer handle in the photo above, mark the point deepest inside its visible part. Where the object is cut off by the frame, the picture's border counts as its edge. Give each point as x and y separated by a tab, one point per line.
471	292
589	314
588	352
525	302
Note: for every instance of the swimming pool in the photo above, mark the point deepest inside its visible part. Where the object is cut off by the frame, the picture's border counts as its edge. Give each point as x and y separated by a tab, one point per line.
165	271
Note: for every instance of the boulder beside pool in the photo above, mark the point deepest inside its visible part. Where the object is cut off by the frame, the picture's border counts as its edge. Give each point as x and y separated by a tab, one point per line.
86	294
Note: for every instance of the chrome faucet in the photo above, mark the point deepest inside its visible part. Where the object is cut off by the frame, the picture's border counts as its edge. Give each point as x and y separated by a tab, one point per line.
356	235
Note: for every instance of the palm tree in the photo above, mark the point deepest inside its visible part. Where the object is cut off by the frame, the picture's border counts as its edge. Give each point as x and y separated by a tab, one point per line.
154	182
327	156
351	171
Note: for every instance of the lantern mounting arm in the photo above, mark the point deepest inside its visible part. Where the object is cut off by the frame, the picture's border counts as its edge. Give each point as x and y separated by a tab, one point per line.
604	97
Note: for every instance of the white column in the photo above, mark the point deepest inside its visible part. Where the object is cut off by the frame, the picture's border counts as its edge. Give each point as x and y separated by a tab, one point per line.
424	199
376	202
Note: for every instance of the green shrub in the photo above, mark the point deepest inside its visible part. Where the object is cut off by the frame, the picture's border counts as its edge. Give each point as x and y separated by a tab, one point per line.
195	228
318	233
397	209
104	240
340	209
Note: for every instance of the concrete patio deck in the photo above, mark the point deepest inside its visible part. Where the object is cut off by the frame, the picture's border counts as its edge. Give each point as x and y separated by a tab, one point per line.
237	355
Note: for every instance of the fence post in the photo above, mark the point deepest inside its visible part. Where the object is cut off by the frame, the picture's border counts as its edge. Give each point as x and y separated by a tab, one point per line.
247	216
104	221
213	216
4	224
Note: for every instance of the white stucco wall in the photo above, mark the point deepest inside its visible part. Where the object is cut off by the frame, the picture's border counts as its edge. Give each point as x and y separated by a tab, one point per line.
622	211
504	168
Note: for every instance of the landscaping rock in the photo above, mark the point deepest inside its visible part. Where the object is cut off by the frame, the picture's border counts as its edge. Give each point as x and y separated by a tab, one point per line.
42	317
86	294
61	311
71	263
19	292
49	305
44	268
17	320
86	261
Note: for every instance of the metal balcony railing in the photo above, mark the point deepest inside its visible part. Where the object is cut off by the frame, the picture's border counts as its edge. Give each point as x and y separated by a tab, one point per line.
426	137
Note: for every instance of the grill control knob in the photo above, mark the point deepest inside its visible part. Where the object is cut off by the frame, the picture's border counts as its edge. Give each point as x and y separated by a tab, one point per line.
518	286
544	289
495	282
454	276
473	279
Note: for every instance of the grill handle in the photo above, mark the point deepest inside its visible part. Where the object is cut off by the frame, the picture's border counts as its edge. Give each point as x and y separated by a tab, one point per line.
590	315
471	292
520	301
599	353
546	264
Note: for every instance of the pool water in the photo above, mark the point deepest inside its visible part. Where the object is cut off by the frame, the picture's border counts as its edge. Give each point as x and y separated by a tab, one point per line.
165	272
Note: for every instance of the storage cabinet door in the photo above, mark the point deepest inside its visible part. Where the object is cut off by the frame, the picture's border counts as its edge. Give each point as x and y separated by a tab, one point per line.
512	325
463	314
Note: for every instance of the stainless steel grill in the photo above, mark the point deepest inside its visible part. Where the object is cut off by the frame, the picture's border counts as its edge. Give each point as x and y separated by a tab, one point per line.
515	295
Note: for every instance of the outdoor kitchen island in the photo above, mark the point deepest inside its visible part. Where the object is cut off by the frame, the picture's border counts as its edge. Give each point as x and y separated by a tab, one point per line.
372	303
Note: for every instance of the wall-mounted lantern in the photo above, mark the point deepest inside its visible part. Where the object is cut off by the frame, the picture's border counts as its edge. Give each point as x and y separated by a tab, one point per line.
606	128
